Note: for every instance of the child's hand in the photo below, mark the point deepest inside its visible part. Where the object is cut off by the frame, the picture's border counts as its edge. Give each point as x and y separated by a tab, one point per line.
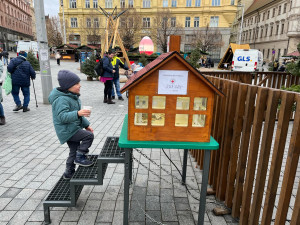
84	112
90	129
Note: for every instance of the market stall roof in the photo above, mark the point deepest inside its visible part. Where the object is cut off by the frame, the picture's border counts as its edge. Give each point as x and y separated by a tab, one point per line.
67	46
227	58
294	53
87	47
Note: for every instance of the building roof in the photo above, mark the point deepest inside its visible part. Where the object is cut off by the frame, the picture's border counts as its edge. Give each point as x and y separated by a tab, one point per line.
257	4
67	46
294	53
158	62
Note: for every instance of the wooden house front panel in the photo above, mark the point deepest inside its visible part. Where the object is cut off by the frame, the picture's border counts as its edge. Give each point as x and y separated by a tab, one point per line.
147	88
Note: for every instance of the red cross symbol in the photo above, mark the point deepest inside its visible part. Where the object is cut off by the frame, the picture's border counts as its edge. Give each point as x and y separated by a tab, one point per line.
172	81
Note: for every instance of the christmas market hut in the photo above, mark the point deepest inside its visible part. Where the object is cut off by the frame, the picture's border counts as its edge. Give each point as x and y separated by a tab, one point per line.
67	51
170	100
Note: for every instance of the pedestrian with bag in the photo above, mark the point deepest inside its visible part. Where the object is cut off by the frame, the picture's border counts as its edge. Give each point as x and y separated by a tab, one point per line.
116	62
69	121
2	117
57	57
21	72
107	76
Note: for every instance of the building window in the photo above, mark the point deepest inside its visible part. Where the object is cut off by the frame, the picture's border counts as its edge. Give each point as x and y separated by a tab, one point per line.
263	17
188	3
88	23
268	15
73	4
232	2
95	4
165	3
266	33
214	21
187	21
96	22
284	7
274	12
174	3
279	10
279	50
173	22
261	32
250	33
268	53
122	3
197	3
146	22
108	4
74	22
215	3
189	38
87	4
196	21
277	29
285	51
271	32
130	3
146	3
282	28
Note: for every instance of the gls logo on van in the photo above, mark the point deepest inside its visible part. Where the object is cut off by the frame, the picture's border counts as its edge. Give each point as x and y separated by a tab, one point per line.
243	58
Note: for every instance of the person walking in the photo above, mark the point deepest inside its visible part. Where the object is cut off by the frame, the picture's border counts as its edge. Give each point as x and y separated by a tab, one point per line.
57	57
21	71
5	55
2	117
107	77
69	121
116	62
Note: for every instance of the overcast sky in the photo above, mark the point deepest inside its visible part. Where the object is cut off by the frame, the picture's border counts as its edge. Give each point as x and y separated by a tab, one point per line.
51	7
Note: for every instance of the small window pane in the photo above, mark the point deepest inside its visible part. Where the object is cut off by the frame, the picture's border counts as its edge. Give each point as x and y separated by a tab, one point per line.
183	103
141	102
200	103
159	102
158	119
199	120
181	120
141	119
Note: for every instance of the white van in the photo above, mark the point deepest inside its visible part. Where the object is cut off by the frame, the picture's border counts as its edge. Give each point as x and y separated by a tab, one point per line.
28	46
248	60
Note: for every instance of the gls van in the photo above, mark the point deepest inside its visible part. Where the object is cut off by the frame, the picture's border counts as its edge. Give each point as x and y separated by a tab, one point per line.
28	46
248	60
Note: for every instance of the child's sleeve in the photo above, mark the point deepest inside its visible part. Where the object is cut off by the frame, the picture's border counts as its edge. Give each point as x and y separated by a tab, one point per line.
64	114
85	123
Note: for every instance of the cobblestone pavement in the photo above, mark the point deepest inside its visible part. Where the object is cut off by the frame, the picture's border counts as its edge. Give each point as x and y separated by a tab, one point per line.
32	161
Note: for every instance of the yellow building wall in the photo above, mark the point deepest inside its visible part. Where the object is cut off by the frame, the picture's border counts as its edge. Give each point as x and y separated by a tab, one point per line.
225	11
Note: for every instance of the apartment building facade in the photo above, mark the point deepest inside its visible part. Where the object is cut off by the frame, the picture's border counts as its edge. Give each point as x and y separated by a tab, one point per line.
273	27
15	22
192	15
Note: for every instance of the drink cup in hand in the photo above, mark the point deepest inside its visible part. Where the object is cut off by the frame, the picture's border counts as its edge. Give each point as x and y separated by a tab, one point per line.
88	108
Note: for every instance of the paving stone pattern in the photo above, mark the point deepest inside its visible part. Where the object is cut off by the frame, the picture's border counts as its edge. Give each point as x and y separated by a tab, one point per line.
32	161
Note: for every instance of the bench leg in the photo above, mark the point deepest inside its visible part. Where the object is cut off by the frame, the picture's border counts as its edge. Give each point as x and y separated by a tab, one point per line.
47	214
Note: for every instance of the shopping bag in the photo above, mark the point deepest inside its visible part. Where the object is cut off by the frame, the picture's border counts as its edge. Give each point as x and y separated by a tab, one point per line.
7	85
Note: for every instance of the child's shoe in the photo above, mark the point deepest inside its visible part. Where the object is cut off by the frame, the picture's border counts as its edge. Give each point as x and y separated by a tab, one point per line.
81	160
68	174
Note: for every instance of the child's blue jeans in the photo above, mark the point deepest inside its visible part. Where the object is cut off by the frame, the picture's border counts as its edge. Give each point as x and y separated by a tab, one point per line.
79	142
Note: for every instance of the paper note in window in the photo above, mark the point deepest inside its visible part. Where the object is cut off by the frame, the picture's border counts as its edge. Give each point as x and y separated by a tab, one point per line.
199	120
200	103
173	82
141	102
141	119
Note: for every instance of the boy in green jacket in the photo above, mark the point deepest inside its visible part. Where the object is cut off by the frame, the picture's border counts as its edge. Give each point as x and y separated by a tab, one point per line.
69	121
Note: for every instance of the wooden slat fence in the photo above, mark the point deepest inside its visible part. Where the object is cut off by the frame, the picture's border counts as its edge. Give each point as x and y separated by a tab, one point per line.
264	79
252	125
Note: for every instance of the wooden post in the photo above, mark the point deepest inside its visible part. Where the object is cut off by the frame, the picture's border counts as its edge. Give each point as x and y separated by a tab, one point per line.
115	34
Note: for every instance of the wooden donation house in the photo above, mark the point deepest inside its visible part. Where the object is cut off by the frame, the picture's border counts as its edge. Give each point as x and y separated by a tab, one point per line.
169	100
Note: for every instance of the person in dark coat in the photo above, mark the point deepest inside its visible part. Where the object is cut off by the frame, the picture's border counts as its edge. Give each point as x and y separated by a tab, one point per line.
21	71
116	62
5	55
107	77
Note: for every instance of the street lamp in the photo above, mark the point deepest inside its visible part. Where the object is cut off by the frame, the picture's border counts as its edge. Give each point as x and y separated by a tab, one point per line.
241	27
62	6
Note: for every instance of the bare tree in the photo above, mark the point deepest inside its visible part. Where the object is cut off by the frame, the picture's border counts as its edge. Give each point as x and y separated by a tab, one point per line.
129	26
91	29
207	39
164	26
54	34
